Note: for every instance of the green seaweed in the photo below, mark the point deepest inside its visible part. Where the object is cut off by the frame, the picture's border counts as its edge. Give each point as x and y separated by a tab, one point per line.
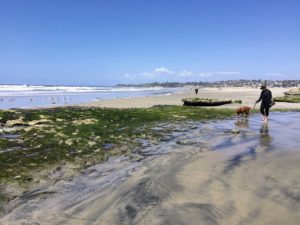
8	115
238	101
291	99
84	135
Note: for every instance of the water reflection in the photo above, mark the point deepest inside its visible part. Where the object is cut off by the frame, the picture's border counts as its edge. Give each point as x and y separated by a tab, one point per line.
242	123
265	137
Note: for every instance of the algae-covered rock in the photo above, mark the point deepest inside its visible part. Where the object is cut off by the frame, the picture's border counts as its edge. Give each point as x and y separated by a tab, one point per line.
39	122
204	102
288	98
293	91
85	121
40	138
16	122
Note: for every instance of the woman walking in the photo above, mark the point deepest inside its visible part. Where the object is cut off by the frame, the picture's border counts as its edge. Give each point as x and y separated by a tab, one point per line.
266	100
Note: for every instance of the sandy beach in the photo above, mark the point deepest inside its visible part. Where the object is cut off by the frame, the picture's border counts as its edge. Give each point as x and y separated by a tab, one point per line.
236	171
247	95
147	112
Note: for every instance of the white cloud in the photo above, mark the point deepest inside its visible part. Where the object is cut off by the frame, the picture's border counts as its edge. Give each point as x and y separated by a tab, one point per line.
129	76
163	74
228	73
218	73
148	75
162	70
282	76
205	75
276	75
185	73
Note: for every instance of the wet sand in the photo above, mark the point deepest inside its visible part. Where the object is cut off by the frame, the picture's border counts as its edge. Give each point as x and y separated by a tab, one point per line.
247	95
237	171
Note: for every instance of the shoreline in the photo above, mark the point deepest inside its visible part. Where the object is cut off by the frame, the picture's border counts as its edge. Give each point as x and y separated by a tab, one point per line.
247	95
45	100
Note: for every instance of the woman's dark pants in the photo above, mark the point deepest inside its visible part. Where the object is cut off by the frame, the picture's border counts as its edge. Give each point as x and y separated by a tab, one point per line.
264	110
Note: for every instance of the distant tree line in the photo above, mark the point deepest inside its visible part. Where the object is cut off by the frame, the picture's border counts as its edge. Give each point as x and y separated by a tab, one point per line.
225	83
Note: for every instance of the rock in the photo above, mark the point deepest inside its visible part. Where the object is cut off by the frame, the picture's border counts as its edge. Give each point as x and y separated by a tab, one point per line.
38	122
106	157
88	163
185	142
11	123
204	102
91	143
68	142
234	131
85	121
181	117
107	146
136	157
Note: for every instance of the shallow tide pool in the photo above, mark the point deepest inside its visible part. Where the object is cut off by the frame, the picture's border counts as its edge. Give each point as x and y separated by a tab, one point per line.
236	171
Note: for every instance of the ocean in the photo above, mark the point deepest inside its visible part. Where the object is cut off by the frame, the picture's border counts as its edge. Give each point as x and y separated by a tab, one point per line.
33	96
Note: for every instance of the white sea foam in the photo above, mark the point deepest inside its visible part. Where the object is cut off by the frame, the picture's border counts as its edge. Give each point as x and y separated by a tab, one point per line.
32	90
30	96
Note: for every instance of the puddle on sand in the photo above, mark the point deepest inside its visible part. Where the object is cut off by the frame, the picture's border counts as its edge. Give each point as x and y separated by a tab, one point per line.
237	171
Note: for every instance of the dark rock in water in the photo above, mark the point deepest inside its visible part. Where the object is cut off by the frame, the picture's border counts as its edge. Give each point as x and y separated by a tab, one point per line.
167	138
131	211
233	131
107	146
186	142
58	169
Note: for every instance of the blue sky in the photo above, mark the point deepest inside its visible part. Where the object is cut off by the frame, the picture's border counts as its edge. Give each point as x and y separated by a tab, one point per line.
107	42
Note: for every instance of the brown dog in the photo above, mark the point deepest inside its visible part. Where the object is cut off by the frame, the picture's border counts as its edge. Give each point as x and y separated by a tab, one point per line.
242	110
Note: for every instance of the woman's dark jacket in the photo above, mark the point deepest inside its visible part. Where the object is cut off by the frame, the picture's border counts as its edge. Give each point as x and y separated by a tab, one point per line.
265	98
